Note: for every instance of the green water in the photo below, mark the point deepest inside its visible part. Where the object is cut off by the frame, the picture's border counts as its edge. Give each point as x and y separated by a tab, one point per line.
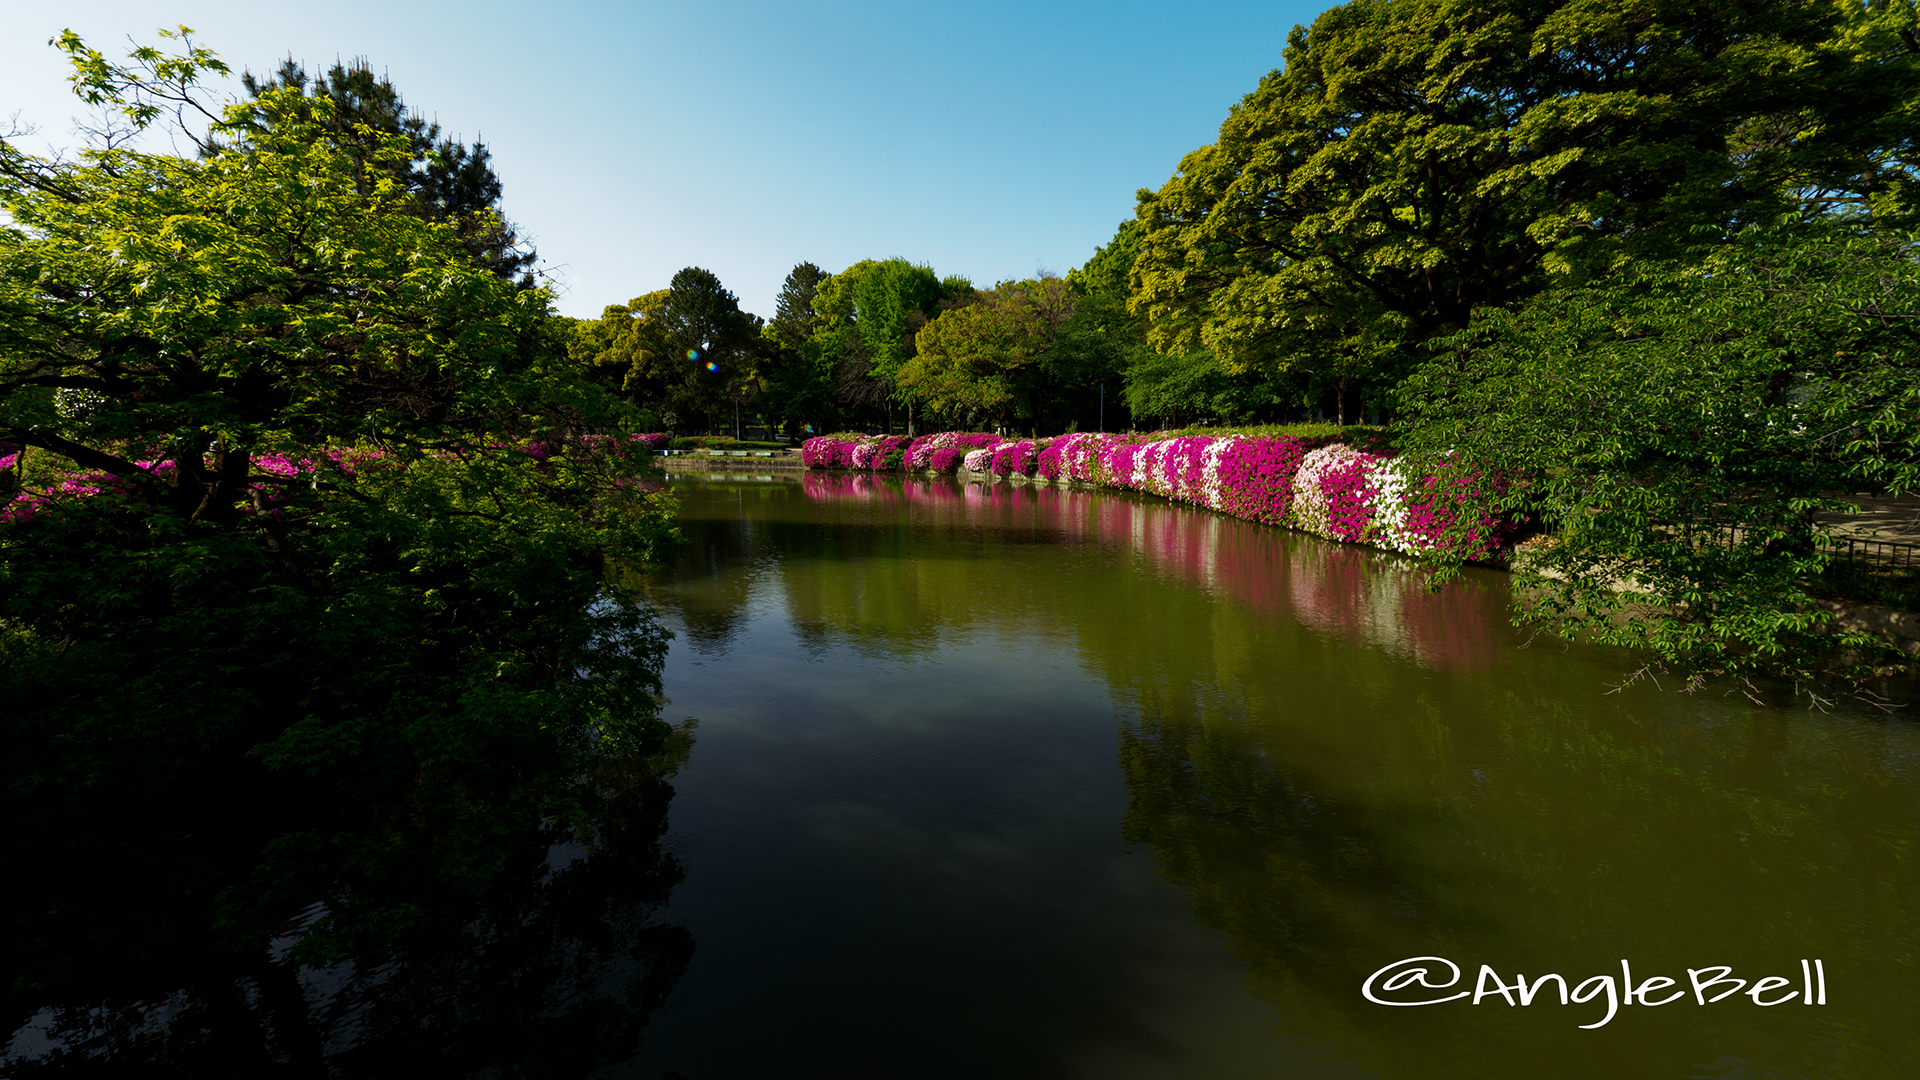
1016	781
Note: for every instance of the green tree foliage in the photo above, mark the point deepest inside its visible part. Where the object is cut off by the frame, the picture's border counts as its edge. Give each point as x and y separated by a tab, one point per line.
446	179
1102	339
794	318
334	624
868	315
1681	428
987	358
1108	273
626	349
799	377
713	345
1418	160
885	302
1195	387
210	329
687	352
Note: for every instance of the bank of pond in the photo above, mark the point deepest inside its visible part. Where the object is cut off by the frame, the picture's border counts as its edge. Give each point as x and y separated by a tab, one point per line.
1348	492
1119	786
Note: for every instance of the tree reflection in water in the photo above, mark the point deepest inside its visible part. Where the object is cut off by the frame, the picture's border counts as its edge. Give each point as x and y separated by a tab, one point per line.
1341	769
553	968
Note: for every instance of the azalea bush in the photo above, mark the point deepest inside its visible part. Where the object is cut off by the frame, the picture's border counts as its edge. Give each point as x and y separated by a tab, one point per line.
1017	458
1355	494
827	452
1334	494
1443	512
1052	462
1254	477
889	453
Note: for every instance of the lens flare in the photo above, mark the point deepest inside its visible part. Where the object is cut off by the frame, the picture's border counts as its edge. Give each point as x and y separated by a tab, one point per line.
711	366
693	354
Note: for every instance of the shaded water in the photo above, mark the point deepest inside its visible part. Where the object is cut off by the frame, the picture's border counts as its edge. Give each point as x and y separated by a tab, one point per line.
1020	781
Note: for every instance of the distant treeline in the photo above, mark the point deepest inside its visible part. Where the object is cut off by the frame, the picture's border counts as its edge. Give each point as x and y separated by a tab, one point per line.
1409	167
1657	258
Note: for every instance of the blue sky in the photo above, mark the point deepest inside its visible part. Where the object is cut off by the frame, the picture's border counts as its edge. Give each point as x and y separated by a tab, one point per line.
985	139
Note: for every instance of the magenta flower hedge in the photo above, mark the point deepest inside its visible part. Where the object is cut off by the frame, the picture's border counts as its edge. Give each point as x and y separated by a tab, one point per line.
827	452
1015	458
1345	493
1254	477
29	501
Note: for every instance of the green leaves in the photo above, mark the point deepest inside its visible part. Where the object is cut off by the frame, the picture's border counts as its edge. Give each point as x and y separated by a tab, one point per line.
1413	163
1681	429
981	358
348	574
157	83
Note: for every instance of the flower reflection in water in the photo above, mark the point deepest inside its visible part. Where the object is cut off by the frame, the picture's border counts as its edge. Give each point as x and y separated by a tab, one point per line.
1370	597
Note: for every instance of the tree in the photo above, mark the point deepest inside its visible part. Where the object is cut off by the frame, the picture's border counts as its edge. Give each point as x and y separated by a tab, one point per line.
1102	339
714	345
1415	162
985	358
799	377
868	316
1679	429
446	179
885	301
794	318
1194	388
626	349
177	295
685	351
314	485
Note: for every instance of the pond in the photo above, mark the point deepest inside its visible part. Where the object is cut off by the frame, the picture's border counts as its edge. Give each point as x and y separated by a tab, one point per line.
1023	781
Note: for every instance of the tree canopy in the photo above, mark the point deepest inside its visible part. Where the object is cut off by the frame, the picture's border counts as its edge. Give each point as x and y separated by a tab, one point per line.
1680	428
446	180
867	316
714	345
794	318
311	480
1416	161
278	288
984	358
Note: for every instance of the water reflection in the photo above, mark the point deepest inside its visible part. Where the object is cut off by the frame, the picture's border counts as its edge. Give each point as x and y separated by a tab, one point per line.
712	618
528	946
1335	767
1541	839
1369	597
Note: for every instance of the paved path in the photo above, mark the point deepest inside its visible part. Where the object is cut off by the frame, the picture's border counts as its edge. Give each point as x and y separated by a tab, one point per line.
1879	519
1885	532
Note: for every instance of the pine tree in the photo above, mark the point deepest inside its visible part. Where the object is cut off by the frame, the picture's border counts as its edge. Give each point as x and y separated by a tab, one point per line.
793	315
449	181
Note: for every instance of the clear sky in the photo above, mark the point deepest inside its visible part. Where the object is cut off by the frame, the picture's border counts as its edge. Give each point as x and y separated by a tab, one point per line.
986	139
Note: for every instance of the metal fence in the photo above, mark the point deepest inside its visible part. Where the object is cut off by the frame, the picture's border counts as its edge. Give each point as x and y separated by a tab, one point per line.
1891	554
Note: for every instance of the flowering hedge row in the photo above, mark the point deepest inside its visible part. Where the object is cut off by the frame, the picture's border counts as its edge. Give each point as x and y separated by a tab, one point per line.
20	502
1334	490
24	504
28	502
